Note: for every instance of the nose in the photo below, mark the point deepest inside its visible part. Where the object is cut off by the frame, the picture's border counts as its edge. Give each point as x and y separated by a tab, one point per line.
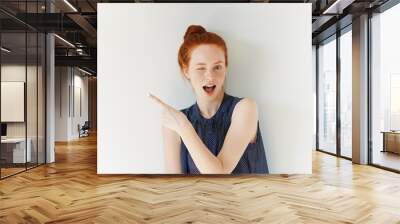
208	75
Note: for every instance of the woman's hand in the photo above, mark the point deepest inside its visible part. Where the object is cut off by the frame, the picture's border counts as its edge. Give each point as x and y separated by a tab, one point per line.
171	118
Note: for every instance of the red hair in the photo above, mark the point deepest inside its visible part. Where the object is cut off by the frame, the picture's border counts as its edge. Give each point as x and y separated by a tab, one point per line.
196	35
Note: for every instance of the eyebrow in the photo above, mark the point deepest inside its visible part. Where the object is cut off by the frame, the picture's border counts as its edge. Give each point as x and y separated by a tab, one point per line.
205	63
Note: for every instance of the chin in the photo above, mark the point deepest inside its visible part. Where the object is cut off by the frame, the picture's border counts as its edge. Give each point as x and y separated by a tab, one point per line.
212	96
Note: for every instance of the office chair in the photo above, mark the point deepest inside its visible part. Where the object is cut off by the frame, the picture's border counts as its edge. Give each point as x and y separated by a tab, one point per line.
84	130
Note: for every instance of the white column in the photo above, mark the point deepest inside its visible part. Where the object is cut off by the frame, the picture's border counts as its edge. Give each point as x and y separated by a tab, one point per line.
50	110
50	92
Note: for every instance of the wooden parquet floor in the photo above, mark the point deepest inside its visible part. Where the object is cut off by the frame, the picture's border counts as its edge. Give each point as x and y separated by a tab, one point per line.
70	191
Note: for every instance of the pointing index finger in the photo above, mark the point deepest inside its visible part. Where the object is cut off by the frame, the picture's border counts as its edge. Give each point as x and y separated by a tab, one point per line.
157	100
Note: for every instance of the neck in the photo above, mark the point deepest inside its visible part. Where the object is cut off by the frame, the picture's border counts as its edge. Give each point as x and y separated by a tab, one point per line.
208	108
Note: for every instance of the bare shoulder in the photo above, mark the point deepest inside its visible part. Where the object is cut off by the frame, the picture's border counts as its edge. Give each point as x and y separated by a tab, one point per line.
246	107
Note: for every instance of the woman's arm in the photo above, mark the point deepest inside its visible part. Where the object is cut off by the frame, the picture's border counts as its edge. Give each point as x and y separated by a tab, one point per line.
172	146
244	117
241	132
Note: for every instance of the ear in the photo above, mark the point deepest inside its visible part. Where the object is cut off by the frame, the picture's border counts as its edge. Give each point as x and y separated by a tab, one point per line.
185	73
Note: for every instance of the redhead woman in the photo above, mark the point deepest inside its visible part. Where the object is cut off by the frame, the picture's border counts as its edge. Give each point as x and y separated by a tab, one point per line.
219	134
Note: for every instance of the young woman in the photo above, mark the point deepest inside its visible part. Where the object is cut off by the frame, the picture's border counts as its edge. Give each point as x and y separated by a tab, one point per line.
219	134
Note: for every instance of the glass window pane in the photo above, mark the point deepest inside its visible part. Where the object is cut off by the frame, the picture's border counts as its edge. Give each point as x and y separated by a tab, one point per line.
386	89
346	94
32	95
41	98
327	97
22	88
13	86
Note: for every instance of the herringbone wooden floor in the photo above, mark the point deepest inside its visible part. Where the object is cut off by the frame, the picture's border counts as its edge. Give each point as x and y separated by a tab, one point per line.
70	191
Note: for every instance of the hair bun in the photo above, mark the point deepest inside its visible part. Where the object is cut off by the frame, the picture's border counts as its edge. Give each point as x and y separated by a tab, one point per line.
194	29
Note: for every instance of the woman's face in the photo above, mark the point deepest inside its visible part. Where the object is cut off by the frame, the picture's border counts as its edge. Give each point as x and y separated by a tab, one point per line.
207	71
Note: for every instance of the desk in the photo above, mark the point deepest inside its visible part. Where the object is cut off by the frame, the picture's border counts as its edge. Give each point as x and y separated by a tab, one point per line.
391	141
15	148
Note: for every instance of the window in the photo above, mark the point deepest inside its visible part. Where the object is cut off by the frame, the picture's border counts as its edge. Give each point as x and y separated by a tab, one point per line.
385	89
327	97
346	94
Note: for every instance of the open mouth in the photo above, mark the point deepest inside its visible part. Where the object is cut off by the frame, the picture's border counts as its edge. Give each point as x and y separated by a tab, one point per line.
209	89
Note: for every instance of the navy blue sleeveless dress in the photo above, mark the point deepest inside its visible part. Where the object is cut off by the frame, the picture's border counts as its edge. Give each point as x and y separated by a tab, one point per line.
212	132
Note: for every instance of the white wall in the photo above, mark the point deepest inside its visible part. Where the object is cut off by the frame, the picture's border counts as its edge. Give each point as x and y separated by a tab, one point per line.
61	103
269	49
68	81
80	84
314	86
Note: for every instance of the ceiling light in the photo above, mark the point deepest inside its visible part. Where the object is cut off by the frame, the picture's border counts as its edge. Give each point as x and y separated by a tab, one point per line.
84	71
338	6
70	5
5	50
65	41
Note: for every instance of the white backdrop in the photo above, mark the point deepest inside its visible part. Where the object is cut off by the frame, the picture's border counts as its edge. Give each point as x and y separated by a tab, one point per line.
269	54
